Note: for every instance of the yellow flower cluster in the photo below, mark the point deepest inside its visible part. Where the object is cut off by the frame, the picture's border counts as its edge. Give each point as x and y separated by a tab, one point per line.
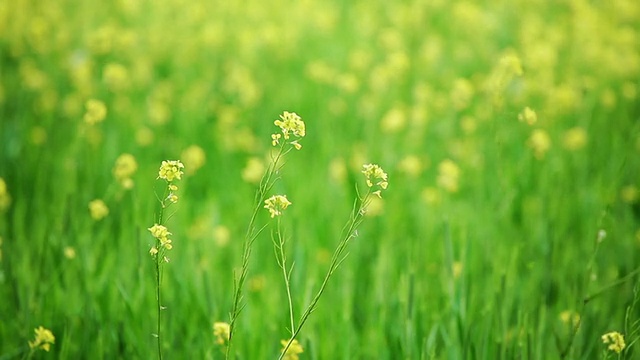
171	170
5	198
289	123
615	341
96	112
221	331
161	233
124	169
294	349
43	340
373	173
448	175
98	209
276	204
528	116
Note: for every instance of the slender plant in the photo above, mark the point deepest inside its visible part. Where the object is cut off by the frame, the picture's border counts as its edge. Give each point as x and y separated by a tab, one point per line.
376	180
170	171
292	129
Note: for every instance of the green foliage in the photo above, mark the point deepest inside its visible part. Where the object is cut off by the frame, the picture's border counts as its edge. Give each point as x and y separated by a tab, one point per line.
486	244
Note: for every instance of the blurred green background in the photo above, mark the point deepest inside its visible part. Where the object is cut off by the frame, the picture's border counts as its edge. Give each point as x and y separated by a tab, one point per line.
509	130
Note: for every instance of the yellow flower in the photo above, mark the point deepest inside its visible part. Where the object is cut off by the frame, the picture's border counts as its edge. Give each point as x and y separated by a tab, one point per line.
125	167
221	332
161	233
373	173
575	138
615	341
276	204
5	198
292	352
194	158
43	340
448	175
289	123
98	209
529	116
540	142
171	170
96	112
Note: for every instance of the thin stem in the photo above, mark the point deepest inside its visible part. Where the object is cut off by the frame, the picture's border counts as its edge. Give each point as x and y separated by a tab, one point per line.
267	181
158	269
282	262
349	232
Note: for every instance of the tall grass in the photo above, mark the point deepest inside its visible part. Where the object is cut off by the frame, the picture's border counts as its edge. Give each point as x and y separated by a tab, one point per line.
482	247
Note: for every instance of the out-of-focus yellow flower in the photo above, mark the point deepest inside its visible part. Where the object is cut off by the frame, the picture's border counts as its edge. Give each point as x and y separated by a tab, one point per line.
43	340
116	77
124	169
461	94
193	158
411	165
629	194
338	170
144	136
5	198
394	120
221	235
69	252
171	170
98	209
569	317
253	171
276	204
375	207
292	352
448	176
221	331
575	138
540	143
96	111
528	116
615	341
431	195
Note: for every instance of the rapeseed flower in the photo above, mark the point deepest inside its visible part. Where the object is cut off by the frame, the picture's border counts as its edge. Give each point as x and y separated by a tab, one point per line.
161	233
292	352
171	170
221	331
575	138
98	209
276	204
540	143
124	169
289	124
375	177
615	341
96	111
43	340
528	116
448	175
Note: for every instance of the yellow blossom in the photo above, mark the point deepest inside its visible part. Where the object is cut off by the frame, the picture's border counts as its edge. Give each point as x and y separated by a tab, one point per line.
5	198
98	209
373	172
615	341
43	340
124	169
528	116
69	252
276	204
221	331
292	352
540	142
575	138
161	233
289	123
252	172
194	158
171	170
448	175
96	111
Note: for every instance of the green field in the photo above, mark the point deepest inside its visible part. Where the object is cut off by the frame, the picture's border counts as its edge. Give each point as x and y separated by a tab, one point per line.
509	130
